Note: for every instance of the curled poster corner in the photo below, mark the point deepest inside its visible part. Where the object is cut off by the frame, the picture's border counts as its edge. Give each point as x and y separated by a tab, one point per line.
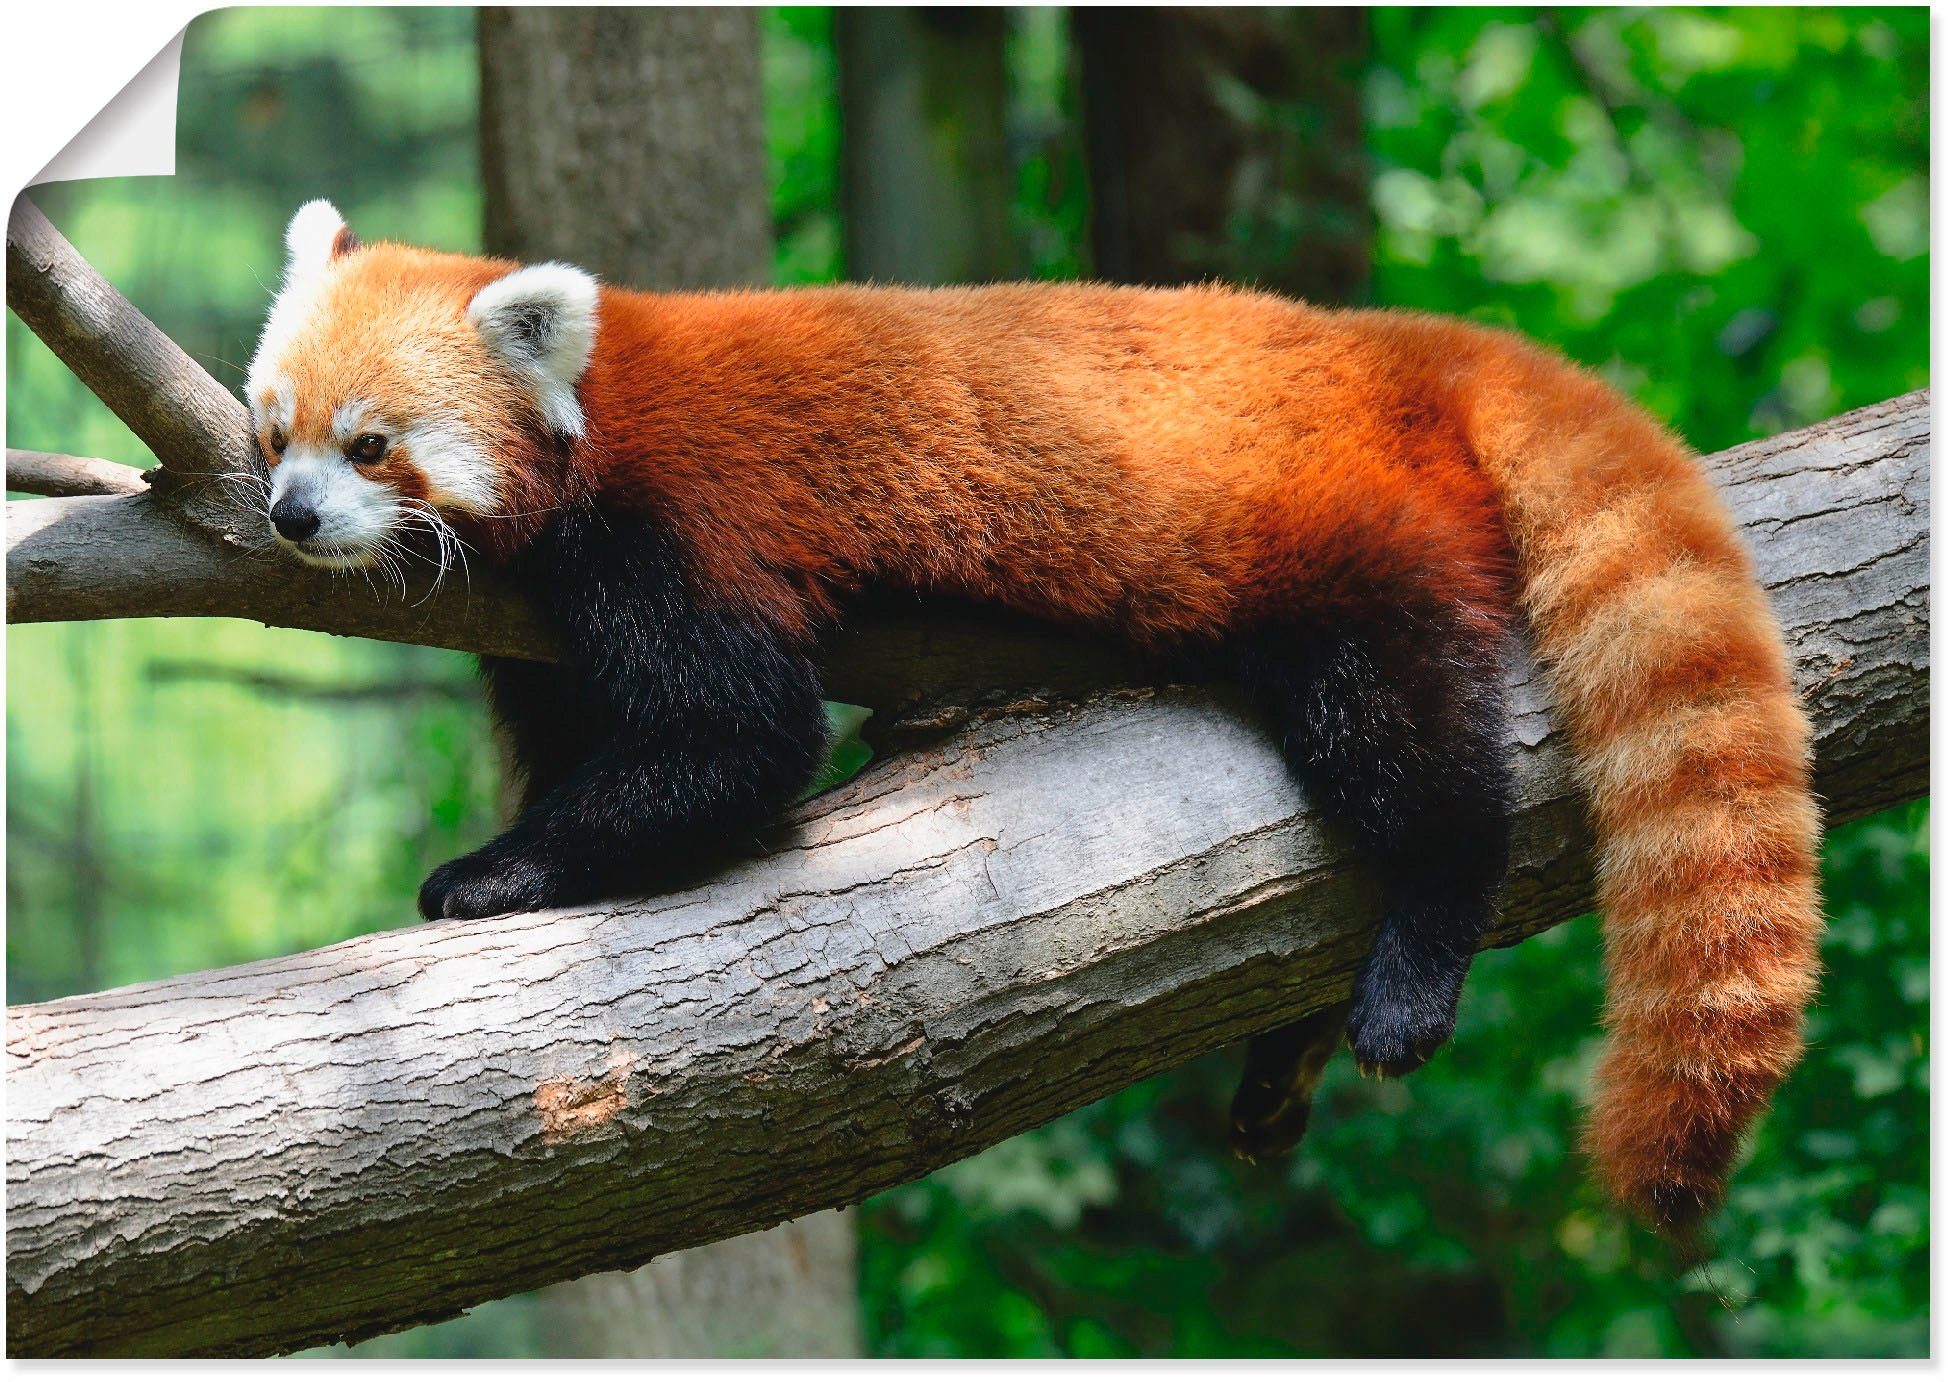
134	135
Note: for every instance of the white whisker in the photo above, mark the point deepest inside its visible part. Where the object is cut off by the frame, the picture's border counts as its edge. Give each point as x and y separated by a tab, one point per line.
449	546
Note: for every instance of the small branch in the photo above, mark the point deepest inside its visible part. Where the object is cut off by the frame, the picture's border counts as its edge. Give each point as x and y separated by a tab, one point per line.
279	686
170	402
65	477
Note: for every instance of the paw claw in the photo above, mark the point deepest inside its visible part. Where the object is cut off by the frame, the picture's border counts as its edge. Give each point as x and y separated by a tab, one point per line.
1390	1041
1271	1131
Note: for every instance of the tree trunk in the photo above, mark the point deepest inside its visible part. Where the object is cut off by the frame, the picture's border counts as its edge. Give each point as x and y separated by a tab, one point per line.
339	1143
785	1292
631	141
1227	143
925	175
628	140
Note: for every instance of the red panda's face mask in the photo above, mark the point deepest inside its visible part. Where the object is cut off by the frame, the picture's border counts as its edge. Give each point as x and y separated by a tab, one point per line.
397	389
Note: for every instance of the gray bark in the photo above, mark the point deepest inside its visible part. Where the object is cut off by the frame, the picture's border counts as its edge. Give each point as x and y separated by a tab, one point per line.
134	557
925	173
137	556
194	426
63	477
629	140
961	944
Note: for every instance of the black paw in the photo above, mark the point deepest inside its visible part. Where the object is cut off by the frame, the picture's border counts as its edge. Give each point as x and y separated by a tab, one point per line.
488	883
1393	1032
1266	1123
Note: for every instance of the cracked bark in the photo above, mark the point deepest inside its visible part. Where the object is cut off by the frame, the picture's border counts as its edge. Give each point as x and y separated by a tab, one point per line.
1055	896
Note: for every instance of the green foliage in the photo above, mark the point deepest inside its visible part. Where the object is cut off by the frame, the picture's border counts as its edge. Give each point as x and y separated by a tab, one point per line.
1723	210
802	141
198	823
1046	146
849	752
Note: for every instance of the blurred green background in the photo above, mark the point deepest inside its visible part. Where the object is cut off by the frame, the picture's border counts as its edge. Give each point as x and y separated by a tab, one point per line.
1724	211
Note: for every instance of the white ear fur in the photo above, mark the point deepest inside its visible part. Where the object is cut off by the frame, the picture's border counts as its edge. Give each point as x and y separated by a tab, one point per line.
541	321
316	235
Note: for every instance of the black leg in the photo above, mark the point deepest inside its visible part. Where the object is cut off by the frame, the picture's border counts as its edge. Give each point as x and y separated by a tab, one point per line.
669	734
546	717
1395	724
1277	1088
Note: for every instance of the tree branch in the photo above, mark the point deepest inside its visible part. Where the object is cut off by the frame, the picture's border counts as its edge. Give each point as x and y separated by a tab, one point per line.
62	477
305	690
144	377
959	945
136	556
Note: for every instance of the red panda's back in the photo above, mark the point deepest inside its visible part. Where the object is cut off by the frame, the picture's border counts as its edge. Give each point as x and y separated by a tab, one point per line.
1163	460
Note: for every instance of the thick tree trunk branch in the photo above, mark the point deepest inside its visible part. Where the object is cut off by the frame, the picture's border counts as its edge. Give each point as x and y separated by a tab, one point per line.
959	945
132	557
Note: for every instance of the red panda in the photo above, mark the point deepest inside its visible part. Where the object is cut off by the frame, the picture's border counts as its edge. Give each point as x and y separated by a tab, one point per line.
1346	509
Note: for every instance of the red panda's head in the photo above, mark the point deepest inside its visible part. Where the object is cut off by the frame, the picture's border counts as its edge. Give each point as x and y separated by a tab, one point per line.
396	387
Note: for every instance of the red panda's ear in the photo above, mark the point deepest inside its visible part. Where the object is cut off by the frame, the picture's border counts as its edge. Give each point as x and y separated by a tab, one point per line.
541	322
317	235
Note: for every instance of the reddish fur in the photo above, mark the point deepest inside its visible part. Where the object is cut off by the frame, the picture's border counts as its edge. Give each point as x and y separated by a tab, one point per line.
1182	464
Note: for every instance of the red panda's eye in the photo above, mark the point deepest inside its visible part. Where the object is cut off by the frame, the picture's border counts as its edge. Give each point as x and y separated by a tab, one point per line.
367	447
279	441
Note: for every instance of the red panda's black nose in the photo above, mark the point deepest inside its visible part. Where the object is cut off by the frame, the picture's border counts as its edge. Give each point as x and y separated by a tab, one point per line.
294	519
